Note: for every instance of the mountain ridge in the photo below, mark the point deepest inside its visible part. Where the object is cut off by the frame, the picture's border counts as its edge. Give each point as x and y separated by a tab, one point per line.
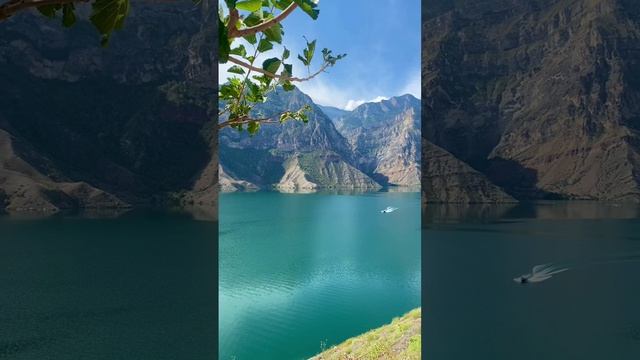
303	157
132	120
540	97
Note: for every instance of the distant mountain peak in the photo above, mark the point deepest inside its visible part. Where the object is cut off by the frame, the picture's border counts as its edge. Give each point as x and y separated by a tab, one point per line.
317	154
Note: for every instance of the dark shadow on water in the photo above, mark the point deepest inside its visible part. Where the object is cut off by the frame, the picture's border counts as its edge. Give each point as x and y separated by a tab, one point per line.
201	213
464	213
546	209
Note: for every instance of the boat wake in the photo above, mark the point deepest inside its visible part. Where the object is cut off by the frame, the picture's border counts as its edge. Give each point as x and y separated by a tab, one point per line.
544	272
540	273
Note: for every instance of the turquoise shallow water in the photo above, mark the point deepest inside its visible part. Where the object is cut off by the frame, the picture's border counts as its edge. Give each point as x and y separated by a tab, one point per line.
140	286
474	310
301	271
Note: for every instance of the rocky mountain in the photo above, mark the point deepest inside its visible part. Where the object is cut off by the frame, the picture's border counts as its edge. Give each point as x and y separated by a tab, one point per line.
24	188
293	156
132	123
538	96
385	139
376	144
449	180
333	112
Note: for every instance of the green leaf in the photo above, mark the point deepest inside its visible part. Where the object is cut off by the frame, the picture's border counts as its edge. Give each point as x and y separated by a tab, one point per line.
239	50
264	45
230	3
223	43
288	86
285	54
308	6
49	10
249	5
309	51
253	127
285	116
251	39
271	65
282	4
274	33
68	15
264	80
330	59
253	19
236	70
288	70
109	15
255	93
230	90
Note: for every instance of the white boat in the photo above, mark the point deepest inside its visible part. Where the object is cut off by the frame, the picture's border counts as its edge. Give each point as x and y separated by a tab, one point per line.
388	210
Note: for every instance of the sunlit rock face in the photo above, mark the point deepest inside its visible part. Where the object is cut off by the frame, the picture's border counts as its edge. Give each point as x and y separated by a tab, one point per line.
385	139
294	156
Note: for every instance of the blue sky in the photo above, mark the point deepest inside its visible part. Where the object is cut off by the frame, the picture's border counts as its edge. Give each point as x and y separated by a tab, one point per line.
382	42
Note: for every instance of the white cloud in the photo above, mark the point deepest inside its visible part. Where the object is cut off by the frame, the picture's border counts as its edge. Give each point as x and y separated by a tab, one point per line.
379	99
352	104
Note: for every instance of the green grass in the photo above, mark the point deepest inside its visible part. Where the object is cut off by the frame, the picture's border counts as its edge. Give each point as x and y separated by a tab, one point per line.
400	340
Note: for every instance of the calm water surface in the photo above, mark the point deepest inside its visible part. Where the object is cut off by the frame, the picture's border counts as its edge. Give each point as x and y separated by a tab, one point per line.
140	286
301	270
474	309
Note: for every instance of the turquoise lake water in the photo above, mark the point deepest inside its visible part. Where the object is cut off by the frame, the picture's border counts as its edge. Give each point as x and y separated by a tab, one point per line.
299	272
139	286
475	310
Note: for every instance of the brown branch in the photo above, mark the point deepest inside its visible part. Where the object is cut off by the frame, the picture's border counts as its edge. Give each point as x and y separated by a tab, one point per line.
245	120
234	16
235	32
275	76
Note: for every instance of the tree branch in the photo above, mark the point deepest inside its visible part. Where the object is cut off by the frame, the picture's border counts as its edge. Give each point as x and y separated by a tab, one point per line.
235	32
275	76
244	120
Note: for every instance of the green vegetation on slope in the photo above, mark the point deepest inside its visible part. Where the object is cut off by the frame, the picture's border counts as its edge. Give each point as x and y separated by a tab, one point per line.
399	340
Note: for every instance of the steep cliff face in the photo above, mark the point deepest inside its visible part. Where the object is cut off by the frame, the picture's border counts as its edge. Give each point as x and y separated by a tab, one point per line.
449	180
541	96
132	119
293	155
385	139
229	184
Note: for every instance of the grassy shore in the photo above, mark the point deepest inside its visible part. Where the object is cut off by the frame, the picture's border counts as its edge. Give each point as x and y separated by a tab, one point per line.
399	340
